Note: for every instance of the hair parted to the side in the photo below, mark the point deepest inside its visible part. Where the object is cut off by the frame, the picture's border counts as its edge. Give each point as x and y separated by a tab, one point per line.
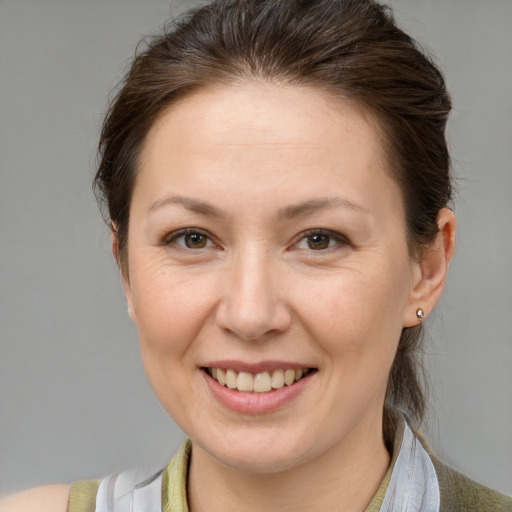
351	48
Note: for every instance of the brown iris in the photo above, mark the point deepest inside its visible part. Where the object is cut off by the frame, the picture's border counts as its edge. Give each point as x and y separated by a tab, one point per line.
318	242
195	240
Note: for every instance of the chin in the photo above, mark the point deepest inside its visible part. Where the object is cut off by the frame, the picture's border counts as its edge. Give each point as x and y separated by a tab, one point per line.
258	462
273	452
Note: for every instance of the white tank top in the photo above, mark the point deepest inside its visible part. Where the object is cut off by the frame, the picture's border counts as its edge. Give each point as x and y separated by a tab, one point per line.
130	491
413	485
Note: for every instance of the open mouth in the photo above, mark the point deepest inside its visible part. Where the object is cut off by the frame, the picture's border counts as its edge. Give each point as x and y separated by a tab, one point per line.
262	382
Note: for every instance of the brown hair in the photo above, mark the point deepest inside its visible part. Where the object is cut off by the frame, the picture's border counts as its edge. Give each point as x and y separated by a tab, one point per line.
351	48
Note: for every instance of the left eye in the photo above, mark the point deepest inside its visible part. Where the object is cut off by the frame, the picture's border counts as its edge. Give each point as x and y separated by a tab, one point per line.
319	241
191	240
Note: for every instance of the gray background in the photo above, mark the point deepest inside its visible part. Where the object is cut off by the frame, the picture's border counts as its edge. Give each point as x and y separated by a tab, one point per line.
74	402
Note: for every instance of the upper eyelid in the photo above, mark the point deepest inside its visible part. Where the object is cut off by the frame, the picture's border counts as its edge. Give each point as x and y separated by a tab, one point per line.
342	243
169	237
325	232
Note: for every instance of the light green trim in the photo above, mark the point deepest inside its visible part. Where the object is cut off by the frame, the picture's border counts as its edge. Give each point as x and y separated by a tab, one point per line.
82	496
174	480
378	497
458	493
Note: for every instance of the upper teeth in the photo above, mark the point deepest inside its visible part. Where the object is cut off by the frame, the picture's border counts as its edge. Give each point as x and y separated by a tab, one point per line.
261	382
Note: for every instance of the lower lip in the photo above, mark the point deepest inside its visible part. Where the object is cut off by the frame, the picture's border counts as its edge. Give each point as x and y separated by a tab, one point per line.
255	403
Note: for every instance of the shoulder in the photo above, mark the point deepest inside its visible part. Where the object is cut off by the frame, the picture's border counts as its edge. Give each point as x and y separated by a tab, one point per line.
77	497
49	498
460	493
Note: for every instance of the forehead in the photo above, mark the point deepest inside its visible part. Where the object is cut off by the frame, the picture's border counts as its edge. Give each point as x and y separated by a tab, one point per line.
264	135
293	113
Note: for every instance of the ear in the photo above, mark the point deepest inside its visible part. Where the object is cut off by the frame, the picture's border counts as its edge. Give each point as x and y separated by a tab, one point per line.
125	278
430	272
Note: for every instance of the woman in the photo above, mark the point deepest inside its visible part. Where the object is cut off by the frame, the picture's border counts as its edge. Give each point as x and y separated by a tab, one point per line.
277	182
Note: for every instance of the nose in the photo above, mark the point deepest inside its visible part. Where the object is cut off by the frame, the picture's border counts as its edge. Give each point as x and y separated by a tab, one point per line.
252	306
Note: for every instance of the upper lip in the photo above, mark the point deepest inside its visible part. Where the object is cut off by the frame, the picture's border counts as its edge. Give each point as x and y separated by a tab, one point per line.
261	366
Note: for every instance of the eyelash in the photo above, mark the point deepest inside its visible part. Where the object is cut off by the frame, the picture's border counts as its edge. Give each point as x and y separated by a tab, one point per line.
172	237
338	238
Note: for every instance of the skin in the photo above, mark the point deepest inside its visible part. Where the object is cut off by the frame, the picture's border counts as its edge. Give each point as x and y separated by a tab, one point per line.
48	498
257	291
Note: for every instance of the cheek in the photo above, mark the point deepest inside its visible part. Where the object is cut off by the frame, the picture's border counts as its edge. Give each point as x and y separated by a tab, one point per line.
356	316
354	304
170	315
171	309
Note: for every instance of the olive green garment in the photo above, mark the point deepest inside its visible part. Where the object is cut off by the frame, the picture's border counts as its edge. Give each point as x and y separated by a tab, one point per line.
458	493
82	496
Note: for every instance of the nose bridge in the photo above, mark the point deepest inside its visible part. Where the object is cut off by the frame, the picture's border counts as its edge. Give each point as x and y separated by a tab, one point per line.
252	305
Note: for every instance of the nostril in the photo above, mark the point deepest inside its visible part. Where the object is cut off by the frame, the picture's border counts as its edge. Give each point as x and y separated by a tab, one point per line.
253	321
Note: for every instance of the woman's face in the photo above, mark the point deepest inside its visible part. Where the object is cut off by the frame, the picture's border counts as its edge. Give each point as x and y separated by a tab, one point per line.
265	237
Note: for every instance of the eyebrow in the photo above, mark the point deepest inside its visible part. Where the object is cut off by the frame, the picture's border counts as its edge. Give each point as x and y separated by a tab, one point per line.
314	205
194	205
287	212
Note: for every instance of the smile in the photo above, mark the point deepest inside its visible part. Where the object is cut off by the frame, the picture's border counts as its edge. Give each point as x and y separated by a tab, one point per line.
262	382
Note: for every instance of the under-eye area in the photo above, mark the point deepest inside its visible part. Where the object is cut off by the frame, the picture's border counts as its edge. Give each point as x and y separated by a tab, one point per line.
262	382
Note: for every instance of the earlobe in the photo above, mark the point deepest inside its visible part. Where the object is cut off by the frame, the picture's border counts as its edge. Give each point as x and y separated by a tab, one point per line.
125	279
432	270
128	295
114	244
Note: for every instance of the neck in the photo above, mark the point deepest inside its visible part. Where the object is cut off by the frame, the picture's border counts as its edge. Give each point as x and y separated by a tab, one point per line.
343	478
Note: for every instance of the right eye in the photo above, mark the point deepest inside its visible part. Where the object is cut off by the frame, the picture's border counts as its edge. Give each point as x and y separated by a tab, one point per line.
190	239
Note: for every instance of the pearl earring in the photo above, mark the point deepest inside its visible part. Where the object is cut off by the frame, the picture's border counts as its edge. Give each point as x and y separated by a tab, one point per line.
420	314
